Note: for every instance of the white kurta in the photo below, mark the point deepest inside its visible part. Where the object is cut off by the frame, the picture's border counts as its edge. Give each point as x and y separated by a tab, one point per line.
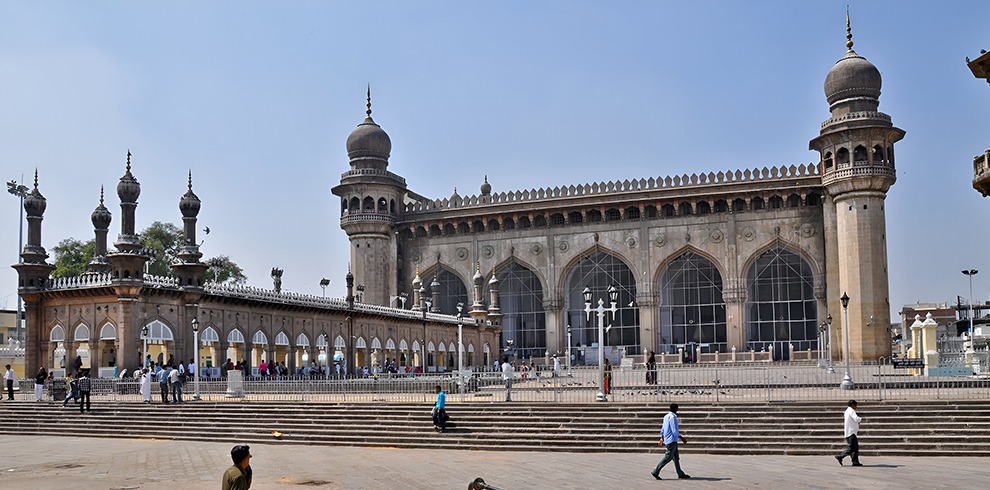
146	387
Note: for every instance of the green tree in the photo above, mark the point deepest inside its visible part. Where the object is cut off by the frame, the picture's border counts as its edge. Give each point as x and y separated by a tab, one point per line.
224	271
72	257
163	241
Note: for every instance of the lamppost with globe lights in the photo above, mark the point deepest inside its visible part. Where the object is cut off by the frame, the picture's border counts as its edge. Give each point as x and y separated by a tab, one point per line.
970	273
144	355
847	382
460	348
568	351
613	296
195	328
828	321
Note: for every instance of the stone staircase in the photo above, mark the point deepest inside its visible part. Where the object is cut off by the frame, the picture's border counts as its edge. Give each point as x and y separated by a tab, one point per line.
888	429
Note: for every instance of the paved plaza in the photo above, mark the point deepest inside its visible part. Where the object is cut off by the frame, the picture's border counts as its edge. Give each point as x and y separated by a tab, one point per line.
83	463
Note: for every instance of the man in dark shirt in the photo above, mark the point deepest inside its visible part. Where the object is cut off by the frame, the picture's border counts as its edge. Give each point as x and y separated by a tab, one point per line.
85	385
238	476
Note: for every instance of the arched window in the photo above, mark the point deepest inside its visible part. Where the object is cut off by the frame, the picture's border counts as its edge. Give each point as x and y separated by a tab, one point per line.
281	339
890	155
575	217
57	335
739	205
594	216
463	227
597	272
842	157
420	232
478	226
684	208
651	211
632	212
302	340
382	205
776	202
520	298
448	229
704	207
405	233
343	206
781	308
793	201
369	205
667	210
540	221
452	290
556	219
355	206
493	224
235	337
612	214
435	231
108	332
209	335
691	308
259	338
878	155
525	223
391	206
828	160
509	224
81	334
859	155
813	200
758	203
159	331
721	206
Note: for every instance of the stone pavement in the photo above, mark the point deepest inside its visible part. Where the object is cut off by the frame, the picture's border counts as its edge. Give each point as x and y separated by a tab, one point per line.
64	463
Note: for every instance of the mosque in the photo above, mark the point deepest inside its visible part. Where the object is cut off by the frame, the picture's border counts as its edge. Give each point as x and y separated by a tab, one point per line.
732	260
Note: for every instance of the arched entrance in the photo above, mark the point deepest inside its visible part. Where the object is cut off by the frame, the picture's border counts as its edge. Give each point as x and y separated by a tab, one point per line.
160	341
56	341
520	298
597	272
691	310
361	351
80	339
235	346
281	354
108	343
302	351
207	349
781	308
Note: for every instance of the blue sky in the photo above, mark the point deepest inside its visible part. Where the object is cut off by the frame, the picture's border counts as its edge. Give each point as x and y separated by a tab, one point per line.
257	99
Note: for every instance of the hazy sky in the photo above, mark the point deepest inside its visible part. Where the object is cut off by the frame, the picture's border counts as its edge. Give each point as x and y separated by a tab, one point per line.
257	99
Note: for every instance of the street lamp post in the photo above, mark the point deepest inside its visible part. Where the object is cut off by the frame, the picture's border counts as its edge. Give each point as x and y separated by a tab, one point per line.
828	321
460	348
613	296
195	327
323	284
568	351
970	273
21	191
847	382
144	354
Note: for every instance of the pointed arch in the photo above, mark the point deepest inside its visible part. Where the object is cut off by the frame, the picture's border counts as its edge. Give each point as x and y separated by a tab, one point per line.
235	336
521	294
108	331
282	339
442	348
375	343
470	348
681	251
793	247
302	340
781	307
209	335
259	338
360	343
453	287
81	332
690	307
451	348
598	271
338	343
158	330
431	347
57	334
416	347
574	261
389	344
403	345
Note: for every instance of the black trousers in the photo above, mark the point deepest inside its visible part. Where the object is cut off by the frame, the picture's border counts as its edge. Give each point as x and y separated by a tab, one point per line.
10	389
164	387
852	449
83	401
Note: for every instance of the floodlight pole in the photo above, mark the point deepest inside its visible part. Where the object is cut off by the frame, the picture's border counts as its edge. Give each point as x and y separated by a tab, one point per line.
195	329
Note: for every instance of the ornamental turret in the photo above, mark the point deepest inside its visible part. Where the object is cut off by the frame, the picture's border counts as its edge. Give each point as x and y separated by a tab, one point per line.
856	146
101	218
127	263
190	271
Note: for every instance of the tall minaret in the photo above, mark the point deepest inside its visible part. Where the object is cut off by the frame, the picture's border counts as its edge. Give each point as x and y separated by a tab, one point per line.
189	269
857	163
371	200
101	218
128	262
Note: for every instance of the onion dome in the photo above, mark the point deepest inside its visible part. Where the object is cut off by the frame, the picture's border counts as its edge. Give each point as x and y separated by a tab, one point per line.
435	285
35	203
417	282
852	76
368	140
101	215
189	204
478	278
486	188
128	189
494	280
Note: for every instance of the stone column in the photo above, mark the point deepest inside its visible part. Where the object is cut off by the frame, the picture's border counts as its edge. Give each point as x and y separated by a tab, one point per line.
556	334
915	351
648	327
735	317
931	351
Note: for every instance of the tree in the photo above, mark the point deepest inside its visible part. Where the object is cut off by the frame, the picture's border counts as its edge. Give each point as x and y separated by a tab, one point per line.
72	257
224	271
163	241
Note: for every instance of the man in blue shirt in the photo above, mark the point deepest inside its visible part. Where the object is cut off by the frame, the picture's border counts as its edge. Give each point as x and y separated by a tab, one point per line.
671	434
439	414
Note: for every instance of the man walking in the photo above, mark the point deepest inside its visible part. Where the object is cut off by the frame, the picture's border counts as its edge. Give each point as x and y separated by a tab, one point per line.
175	379
852	435
163	383
39	383
507	375
8	375
85	385
671	434
439	411
238	476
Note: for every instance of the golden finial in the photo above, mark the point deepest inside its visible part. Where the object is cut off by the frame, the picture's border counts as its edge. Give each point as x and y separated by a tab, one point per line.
128	160
101	195
479	266
368	112
36	178
849	33
190	180
417	271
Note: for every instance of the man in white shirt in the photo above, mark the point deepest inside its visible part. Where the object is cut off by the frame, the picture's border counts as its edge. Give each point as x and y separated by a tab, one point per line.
556	366
192	368
173	380
9	377
852	420
507	375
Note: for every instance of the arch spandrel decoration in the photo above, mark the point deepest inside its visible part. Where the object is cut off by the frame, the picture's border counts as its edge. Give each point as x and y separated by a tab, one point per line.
108	332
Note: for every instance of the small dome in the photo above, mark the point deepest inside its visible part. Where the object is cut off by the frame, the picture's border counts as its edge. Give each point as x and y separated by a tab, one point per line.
128	189
368	140
101	217
486	188
478	278
435	285
189	204
852	76
35	203
417	282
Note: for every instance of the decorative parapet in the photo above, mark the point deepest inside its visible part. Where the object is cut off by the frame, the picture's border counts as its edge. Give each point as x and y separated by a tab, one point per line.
852	116
617	187
374	172
359	217
151	281
859	171
308	300
83	281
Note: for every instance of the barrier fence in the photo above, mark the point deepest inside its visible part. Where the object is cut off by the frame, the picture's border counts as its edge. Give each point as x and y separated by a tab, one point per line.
725	383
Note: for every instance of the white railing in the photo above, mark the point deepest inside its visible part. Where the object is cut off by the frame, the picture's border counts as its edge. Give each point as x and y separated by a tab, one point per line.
160	281
89	280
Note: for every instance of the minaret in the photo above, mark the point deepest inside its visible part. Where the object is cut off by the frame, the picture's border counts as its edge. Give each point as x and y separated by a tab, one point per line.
32	277
101	218
478	308
371	201
128	262
189	269
435	291
416	284
857	164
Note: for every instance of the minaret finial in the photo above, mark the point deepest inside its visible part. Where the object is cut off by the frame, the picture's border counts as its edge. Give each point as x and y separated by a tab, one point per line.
190	179
101	195
849	33
479	266
36	178
128	160
368	112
